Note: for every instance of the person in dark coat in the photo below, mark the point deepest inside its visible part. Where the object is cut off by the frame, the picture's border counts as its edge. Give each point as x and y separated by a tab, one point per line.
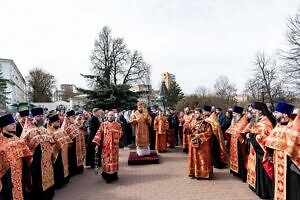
228	119
151	129
94	124
173	128
21	122
221	119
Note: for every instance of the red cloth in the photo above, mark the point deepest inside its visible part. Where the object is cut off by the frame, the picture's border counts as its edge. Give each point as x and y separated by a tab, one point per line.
269	168
171	137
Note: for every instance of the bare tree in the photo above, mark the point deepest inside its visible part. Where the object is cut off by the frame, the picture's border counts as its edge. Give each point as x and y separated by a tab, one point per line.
292	55
225	90
266	85
137	70
114	64
202	91
41	84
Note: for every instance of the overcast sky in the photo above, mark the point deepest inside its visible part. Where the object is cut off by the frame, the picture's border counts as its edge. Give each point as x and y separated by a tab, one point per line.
197	40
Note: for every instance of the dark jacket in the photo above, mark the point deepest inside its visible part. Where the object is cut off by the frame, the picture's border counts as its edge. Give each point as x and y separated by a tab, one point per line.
94	125
173	121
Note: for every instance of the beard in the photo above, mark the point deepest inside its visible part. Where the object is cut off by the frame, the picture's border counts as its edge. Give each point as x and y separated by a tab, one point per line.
235	119
56	127
278	119
199	118
110	119
281	120
40	123
254	119
12	132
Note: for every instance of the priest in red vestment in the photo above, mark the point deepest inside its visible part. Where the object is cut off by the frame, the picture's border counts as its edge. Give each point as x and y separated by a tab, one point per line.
15	159
107	138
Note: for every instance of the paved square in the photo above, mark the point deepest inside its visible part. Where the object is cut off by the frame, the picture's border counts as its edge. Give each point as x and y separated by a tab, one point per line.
167	180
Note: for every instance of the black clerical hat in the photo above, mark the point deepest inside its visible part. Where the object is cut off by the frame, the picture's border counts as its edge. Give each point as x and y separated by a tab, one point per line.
284	108
237	109
24	113
54	118
70	113
207	108
6	120
37	111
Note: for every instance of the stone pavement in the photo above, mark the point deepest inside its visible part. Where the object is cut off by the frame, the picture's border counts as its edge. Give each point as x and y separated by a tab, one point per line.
167	180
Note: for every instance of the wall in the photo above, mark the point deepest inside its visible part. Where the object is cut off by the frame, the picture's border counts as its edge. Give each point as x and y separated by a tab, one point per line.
16	84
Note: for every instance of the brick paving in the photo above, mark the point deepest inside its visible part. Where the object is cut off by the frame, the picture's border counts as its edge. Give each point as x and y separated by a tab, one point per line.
167	180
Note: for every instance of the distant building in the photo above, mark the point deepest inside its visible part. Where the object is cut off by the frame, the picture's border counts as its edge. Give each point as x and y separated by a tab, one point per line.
167	78
242	98
141	88
68	88
16	84
65	92
147	94
78	102
143	91
57	105
58	95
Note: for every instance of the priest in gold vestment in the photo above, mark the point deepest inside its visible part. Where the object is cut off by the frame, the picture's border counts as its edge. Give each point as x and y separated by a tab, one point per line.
282	144
141	119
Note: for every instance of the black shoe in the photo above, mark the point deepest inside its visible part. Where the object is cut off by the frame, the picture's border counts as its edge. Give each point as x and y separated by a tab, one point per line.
192	176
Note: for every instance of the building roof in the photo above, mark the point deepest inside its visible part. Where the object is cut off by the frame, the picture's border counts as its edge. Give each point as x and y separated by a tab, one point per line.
80	96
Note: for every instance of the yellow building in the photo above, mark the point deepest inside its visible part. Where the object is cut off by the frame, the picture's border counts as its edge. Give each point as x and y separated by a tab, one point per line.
167	78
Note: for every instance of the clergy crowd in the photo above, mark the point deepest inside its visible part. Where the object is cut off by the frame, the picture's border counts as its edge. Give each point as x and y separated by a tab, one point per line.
261	146
40	150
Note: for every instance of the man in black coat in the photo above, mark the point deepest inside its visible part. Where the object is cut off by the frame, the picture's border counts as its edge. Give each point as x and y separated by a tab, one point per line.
174	124
151	129
94	124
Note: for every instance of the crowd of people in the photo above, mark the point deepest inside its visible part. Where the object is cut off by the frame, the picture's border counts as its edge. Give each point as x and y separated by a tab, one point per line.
261	146
41	150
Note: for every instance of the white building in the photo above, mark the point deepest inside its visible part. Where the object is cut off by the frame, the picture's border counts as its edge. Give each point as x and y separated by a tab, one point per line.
78	102
53	105
16	85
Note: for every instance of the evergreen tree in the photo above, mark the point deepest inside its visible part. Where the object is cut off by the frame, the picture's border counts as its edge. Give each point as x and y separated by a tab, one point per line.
111	96
174	94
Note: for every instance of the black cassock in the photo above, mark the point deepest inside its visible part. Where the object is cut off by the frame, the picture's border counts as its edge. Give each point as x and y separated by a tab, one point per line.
19	129
72	156
216	157
293	181
263	185
59	176
36	173
152	136
94	125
